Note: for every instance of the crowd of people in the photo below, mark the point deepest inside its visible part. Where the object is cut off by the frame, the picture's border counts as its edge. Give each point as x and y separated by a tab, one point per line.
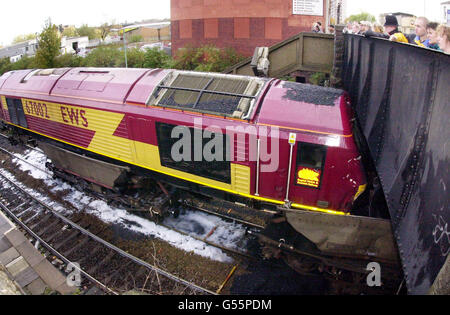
317	28
427	34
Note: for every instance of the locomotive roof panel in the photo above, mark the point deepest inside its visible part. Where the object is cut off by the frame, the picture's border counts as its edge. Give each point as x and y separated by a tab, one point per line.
141	92
210	93
305	107
39	81
107	84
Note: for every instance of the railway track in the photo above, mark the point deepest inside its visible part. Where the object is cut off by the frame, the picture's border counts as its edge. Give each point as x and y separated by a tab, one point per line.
58	235
189	205
106	257
23	215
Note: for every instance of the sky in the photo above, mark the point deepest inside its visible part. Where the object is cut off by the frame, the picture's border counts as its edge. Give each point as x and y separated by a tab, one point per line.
429	8
28	16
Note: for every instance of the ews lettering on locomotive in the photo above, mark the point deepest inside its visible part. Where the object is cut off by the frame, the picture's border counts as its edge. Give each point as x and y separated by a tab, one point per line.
56	112
74	116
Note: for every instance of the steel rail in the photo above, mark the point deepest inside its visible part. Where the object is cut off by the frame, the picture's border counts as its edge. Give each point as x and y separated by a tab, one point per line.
226	249
52	250
23	160
236	252
111	246
224	216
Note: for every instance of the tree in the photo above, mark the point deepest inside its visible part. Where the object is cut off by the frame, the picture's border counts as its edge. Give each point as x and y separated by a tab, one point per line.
23	38
103	56
155	58
88	31
136	38
49	46
363	16
70	32
5	65
104	29
206	58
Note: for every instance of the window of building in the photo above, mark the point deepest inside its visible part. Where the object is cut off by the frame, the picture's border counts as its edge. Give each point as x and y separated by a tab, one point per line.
216	170
218	94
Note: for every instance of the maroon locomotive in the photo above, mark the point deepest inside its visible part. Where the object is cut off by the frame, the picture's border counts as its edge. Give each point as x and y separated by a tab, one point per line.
128	115
279	144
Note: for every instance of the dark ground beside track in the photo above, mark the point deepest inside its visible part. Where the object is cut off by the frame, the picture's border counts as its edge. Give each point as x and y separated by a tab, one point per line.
266	279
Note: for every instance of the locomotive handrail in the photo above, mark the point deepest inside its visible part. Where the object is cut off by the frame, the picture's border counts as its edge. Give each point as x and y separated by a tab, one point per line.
159	87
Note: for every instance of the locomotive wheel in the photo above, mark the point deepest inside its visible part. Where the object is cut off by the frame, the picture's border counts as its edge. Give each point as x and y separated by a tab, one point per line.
302	265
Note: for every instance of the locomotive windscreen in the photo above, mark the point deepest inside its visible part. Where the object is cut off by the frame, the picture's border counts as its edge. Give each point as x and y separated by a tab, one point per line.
225	95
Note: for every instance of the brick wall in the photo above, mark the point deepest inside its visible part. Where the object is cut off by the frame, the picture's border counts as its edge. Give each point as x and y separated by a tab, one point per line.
242	24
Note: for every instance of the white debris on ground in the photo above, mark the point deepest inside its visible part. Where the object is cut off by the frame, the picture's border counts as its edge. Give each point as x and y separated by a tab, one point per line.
36	159
211	227
7	287
193	223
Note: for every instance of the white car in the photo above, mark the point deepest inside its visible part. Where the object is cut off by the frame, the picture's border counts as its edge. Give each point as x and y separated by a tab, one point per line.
159	46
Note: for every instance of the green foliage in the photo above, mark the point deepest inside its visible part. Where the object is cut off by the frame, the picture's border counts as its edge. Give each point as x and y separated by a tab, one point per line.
70	32
104	30
23	38
136	38
363	16
185	58
49	46
135	58
88	31
25	63
103	56
206	58
318	78
68	60
5	65
155	58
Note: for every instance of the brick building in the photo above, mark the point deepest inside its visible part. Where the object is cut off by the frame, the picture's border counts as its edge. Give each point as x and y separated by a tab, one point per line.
242	24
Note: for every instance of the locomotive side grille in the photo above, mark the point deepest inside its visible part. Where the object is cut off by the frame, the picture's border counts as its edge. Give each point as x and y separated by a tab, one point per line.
241	178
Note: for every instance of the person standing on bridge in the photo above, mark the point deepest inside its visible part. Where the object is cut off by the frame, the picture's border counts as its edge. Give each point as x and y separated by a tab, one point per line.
377	28
365	26
391	31
443	32
391	28
421	38
432	35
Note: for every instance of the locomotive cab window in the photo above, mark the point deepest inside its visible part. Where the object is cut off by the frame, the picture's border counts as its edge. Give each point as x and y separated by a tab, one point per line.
16	113
310	164
218	94
218	169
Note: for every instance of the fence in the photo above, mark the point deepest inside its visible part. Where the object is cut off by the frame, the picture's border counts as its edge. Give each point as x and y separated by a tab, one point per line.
401	96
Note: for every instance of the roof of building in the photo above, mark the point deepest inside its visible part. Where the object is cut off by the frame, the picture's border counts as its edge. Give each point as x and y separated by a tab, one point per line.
17	49
402	13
